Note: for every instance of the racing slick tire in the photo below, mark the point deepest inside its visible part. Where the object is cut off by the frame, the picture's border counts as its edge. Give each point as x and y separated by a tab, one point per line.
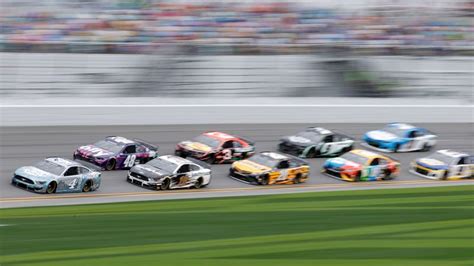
311	153
346	149
387	175
198	183
87	186
357	177
165	184
51	187
264	181
110	165
426	147
395	149
297	179
445	175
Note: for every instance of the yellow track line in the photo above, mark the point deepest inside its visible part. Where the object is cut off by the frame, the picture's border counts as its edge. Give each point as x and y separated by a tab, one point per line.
217	190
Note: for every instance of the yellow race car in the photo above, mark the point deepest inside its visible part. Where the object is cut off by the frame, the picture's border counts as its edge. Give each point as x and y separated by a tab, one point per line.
267	168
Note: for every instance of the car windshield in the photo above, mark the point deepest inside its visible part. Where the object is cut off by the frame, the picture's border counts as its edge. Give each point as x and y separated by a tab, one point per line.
355	158
163	165
441	157
50	167
394	130
264	160
109	146
211	142
311	135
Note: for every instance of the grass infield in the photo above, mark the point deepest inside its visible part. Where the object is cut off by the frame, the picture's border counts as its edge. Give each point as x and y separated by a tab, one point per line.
409	227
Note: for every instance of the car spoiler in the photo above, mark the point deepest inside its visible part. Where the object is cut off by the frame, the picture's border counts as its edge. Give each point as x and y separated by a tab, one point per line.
146	144
199	162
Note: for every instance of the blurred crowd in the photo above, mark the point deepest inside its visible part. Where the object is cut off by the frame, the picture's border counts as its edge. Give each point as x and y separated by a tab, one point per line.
154	23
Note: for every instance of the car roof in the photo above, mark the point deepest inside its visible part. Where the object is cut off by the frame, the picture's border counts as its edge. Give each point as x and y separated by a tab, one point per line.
402	126
120	140
319	130
275	155
175	159
453	154
62	161
219	135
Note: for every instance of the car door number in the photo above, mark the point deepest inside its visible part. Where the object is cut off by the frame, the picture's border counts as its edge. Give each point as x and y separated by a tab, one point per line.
130	160
226	154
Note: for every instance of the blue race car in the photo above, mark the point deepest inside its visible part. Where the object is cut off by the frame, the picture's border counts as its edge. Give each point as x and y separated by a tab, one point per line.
53	175
399	137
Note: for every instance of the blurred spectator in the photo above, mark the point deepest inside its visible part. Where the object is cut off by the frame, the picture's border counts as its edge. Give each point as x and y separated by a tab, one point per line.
142	24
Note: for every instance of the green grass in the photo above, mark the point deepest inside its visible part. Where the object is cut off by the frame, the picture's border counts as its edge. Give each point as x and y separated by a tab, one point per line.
424	226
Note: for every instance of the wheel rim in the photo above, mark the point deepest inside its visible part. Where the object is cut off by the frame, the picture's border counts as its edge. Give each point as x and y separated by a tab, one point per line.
87	187
198	183
165	184
265	180
110	165
51	187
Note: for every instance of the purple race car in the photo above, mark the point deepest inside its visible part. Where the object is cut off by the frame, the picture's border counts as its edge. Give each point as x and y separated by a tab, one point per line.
117	153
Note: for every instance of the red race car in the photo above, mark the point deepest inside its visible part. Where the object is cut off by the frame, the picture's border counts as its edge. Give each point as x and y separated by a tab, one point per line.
216	147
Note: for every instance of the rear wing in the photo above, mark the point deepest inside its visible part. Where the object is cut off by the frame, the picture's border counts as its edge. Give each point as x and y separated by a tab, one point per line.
146	144
199	162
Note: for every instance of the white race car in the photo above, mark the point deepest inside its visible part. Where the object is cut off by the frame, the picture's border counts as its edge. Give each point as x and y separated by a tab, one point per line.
398	137
444	165
170	172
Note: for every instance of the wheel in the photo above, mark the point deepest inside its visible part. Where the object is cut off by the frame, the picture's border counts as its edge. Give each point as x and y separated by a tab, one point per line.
386	175
346	149
357	177
297	179
198	183
87	186
110	165
445	175
165	184
311	153
51	187
211	159
264	180
395	149
426	147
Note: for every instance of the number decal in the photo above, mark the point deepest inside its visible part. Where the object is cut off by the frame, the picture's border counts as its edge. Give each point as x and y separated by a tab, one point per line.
283	175
73	183
226	154
129	161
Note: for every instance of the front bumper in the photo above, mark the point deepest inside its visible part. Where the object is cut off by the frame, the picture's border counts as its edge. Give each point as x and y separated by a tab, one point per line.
92	160
244	177
143	181
181	152
337	174
426	172
289	148
28	186
378	146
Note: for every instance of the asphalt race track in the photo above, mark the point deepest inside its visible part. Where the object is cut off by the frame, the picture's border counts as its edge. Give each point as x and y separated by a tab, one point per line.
22	146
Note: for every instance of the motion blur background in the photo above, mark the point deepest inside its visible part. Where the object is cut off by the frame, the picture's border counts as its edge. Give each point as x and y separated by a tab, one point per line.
143	48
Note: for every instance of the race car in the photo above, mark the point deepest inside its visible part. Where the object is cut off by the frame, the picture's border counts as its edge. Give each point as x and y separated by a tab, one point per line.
268	168
444	165
54	174
116	153
316	142
361	165
398	137
170	172
216	147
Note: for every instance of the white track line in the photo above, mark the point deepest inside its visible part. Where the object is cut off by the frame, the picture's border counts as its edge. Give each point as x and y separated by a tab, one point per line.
235	105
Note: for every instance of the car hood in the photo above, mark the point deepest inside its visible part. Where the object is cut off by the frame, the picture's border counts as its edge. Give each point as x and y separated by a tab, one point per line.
250	167
381	135
149	171
94	151
298	140
341	163
34	173
196	146
432	163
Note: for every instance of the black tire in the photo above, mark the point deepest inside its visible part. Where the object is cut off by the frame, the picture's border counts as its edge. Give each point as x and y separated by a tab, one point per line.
165	184
87	186
387	175
311	153
264	181
198	183
426	147
395	149
346	149
51	187
110	165
297	179
211	159
357	178
445	175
